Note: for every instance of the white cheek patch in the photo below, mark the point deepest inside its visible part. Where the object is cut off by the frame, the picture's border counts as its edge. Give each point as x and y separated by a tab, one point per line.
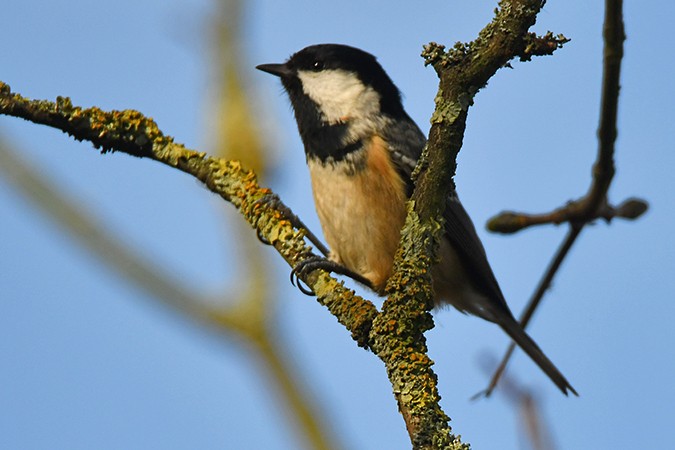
339	94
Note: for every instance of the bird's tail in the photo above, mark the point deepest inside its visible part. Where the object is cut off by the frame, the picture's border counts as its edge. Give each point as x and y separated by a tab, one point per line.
525	342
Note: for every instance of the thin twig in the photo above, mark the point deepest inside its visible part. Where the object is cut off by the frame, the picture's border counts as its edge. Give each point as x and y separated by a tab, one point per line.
587	209
509	222
532	305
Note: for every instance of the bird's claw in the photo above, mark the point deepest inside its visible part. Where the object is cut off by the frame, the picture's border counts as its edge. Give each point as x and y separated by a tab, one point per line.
300	285
320	263
305	267
262	238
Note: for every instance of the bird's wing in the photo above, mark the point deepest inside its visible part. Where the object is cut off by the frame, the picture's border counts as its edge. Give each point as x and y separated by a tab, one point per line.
406	142
461	233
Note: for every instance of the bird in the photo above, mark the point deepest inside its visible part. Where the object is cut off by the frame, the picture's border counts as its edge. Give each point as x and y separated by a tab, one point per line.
361	148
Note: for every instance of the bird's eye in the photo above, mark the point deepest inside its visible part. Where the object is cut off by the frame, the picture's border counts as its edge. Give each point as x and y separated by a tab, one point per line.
318	65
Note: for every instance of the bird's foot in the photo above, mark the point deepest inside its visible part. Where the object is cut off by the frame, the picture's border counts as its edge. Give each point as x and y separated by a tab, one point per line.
320	263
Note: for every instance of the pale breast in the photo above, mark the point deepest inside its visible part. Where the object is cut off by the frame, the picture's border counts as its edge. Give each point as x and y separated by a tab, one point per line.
361	210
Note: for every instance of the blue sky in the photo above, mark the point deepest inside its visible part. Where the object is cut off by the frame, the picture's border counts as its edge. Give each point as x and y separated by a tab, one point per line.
89	361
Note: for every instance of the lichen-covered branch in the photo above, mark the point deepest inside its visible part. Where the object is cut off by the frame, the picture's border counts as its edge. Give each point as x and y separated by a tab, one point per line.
132	133
463	71
536	45
397	334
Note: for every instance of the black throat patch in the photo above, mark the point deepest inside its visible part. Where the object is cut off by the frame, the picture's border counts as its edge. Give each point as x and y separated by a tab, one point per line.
322	140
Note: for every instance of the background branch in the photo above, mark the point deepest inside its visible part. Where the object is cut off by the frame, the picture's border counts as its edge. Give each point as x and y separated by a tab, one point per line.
532	305
594	204
237	136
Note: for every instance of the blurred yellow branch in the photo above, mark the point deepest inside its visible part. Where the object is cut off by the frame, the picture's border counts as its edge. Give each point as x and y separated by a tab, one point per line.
237	136
245	317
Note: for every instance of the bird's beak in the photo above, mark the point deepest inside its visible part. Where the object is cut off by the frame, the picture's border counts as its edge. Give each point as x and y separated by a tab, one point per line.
280	70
